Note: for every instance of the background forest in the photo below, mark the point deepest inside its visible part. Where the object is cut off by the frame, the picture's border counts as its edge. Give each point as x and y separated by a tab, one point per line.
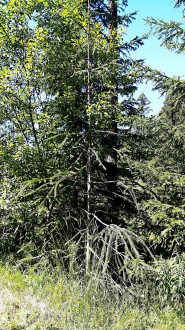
90	183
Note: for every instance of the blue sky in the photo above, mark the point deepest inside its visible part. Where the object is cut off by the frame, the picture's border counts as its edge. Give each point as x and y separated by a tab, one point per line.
155	56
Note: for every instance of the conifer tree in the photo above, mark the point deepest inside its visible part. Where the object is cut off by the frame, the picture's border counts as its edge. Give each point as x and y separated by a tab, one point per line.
163	171
64	130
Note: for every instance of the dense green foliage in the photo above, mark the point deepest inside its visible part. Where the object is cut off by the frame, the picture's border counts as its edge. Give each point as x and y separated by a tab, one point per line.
88	179
59	107
164	170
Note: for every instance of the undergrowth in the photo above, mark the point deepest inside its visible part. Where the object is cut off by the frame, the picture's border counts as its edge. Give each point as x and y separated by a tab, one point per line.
52	300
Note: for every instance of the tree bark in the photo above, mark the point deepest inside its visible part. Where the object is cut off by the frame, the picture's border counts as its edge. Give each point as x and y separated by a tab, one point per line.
113	26
89	146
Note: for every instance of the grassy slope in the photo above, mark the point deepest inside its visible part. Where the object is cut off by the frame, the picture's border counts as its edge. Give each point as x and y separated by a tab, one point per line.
30	301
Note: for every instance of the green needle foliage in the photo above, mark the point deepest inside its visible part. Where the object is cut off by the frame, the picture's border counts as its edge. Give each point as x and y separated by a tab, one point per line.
88	180
67	85
162	169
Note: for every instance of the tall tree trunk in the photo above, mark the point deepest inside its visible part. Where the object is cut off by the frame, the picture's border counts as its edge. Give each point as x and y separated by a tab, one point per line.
89	146
113	25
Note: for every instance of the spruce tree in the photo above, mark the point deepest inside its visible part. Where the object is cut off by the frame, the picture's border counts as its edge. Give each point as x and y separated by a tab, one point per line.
67	97
163	171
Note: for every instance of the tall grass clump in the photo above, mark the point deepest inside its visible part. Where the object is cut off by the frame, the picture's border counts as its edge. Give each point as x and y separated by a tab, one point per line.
106	280
42	298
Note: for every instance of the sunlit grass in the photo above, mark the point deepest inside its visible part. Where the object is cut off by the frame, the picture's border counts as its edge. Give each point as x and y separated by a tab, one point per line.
52	301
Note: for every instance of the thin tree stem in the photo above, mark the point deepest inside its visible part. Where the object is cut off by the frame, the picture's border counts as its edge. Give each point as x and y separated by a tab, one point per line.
89	144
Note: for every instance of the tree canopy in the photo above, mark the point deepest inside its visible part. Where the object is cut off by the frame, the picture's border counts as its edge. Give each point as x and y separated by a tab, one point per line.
85	171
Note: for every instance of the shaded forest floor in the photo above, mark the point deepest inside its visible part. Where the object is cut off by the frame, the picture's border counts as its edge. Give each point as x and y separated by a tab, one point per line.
46	301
